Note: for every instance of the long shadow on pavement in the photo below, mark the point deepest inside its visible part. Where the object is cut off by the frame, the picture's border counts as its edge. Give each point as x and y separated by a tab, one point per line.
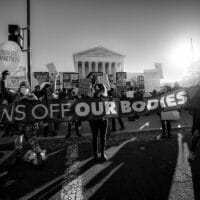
195	169
139	170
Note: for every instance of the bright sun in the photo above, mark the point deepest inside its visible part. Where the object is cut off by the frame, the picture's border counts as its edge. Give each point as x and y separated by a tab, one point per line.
182	54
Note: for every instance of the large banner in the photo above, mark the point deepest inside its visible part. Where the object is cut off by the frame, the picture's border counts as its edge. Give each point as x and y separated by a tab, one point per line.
89	108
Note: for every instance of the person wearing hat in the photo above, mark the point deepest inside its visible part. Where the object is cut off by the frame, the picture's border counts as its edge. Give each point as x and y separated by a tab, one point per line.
36	91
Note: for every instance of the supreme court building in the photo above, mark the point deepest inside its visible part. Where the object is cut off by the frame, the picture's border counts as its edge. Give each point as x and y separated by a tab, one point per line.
98	59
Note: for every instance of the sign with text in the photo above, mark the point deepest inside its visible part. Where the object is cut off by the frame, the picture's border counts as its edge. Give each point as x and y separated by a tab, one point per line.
120	78
13	82
90	108
52	71
41	77
84	87
69	79
104	80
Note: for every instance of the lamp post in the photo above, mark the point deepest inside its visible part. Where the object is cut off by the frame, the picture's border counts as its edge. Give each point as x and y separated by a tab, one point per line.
28	44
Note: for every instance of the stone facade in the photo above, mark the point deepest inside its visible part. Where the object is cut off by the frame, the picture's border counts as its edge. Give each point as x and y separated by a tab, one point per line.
98	59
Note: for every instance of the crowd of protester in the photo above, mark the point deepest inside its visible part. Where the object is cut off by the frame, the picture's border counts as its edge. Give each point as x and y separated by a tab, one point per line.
46	92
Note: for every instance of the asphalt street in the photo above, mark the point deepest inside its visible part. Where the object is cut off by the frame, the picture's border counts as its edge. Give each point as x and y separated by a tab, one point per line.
149	122
138	167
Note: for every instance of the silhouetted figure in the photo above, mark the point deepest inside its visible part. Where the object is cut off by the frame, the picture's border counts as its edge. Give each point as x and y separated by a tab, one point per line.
76	123
165	124
195	107
99	126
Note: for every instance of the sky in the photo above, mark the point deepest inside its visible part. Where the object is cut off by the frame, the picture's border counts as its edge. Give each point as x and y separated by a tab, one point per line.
145	32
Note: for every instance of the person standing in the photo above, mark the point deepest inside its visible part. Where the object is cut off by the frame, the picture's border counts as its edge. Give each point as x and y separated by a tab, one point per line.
99	126
36	91
165	123
5	95
46	93
195	108
76	123
27	130
116	94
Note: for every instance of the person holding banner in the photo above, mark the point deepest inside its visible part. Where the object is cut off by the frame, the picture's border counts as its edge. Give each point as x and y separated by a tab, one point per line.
36	91
76	123
116	94
47	94
27	130
164	117
168	116
100	125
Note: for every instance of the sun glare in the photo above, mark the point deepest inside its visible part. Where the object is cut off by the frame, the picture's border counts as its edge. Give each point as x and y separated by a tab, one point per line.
181	55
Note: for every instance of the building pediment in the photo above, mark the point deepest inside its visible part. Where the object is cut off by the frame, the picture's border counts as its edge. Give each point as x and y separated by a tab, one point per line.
98	52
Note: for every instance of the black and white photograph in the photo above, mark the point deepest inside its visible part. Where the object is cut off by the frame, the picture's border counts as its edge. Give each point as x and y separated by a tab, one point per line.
99	100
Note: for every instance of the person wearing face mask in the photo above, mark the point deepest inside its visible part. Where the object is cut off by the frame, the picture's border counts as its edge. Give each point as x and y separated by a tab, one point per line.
99	126
24	92
27	130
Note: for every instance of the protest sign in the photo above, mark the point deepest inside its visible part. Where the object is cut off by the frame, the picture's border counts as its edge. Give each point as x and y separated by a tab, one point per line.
104	80
58	85
84	87
52	71
41	77
121	79
52	68
70	79
13	82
